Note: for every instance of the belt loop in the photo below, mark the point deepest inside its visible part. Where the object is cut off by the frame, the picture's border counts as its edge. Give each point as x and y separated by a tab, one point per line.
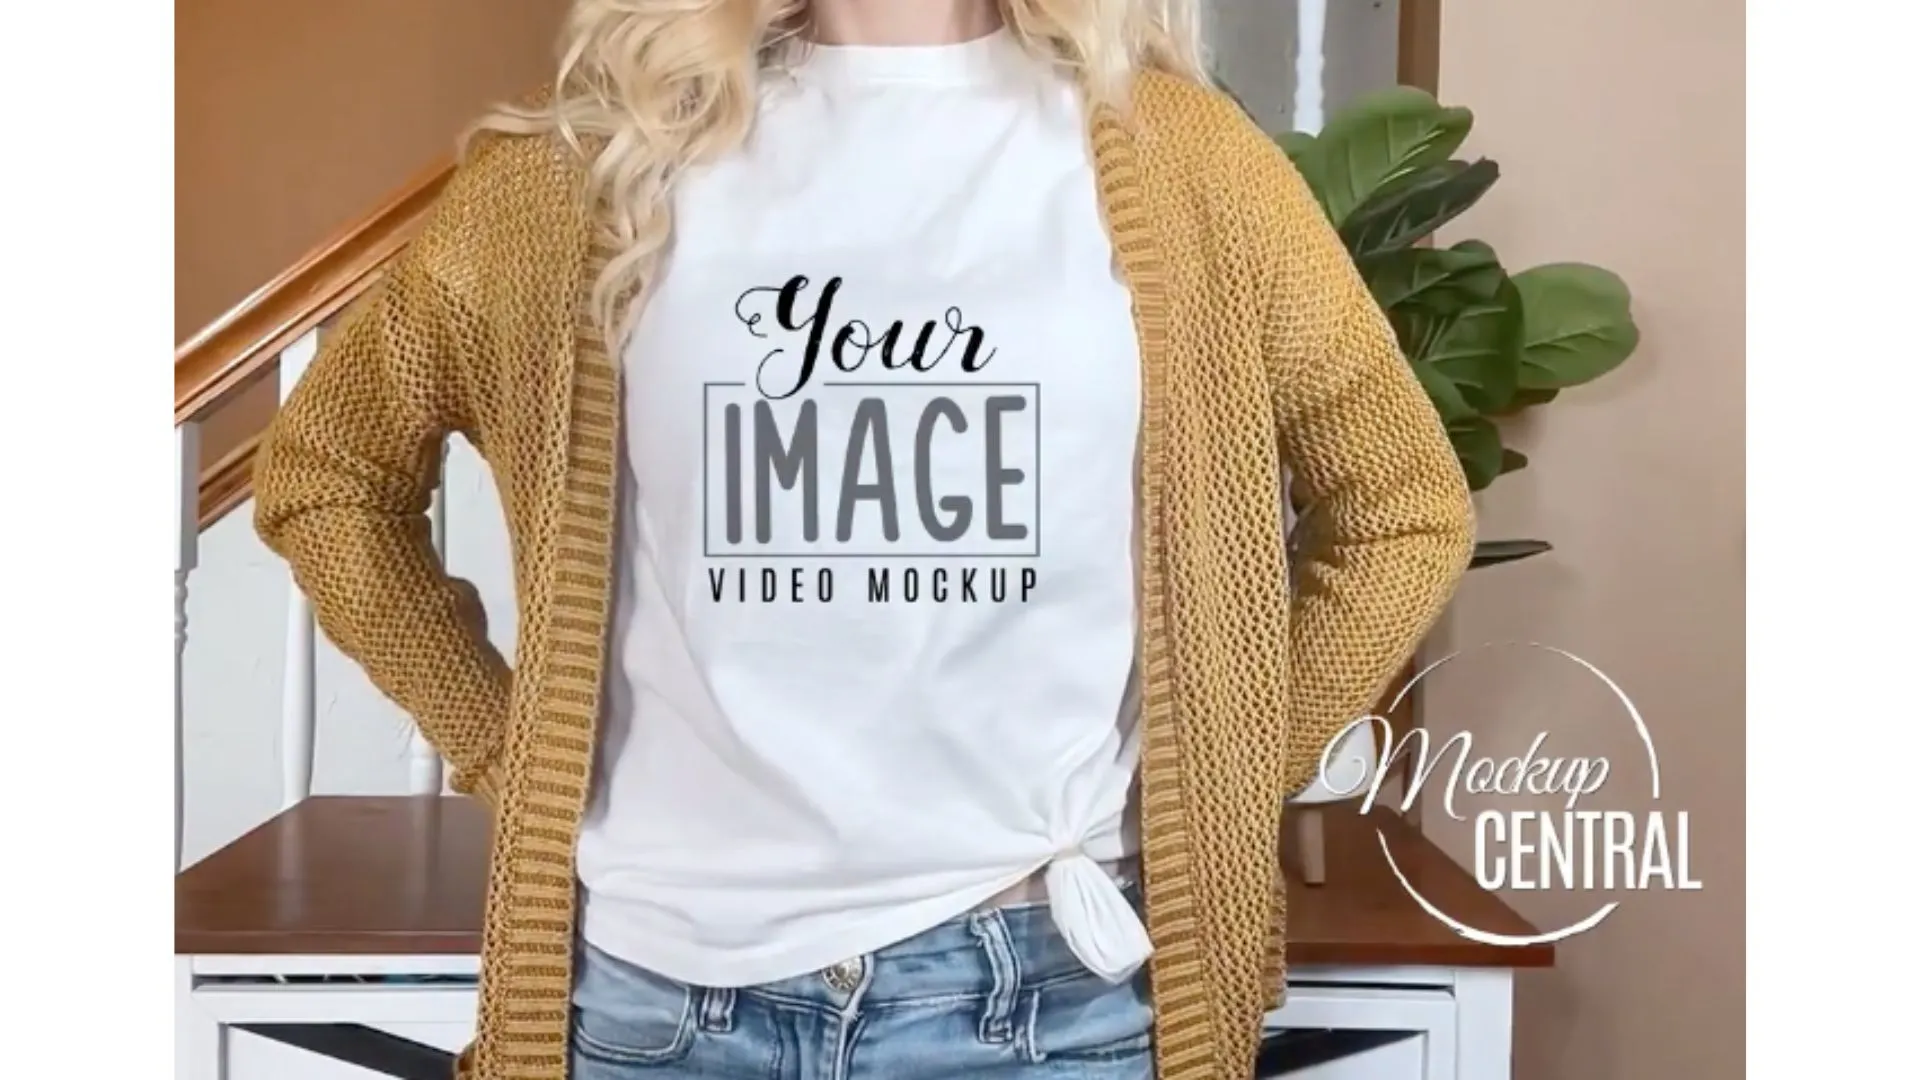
996	1017
716	1009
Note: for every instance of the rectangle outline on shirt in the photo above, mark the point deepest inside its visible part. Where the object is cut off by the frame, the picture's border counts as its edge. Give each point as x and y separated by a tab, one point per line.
706	540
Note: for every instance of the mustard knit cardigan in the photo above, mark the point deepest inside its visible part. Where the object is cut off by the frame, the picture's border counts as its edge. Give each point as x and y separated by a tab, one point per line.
1259	345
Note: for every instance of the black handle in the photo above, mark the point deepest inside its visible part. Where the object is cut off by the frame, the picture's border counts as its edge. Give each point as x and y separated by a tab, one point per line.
357	1044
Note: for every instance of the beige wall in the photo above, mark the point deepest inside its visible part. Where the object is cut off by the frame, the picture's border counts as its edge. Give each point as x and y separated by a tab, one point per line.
295	117
1619	131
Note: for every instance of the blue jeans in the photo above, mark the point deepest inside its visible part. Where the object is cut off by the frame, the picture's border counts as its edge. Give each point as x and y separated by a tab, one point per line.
993	995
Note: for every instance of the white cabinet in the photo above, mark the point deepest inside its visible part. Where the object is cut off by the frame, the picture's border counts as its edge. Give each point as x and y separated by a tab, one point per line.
1460	1019
1396	1061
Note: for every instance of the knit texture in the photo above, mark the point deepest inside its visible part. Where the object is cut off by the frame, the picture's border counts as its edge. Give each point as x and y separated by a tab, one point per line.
1259	346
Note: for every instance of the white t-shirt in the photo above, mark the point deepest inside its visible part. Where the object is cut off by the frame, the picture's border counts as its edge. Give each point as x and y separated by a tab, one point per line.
874	610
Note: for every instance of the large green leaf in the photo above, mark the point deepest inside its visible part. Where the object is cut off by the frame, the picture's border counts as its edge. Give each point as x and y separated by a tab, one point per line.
1478	350
1402	214
1579	324
1434	281
1297	144
1382	138
1477	443
1527	398
1447	399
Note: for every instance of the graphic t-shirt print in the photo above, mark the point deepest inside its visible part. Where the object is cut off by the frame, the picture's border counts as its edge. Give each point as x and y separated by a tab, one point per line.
882	458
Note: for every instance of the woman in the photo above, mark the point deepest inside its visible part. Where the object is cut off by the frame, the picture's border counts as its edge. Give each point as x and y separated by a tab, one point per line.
814	761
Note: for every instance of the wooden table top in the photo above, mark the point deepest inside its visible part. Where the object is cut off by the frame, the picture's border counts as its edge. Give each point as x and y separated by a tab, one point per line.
346	875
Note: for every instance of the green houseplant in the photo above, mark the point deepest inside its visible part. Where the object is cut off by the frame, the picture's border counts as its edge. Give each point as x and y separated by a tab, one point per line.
1486	344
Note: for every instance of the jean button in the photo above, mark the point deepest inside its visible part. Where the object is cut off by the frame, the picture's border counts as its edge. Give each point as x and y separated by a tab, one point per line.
845	976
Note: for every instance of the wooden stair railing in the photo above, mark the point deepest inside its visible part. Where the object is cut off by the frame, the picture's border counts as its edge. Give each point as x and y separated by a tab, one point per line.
275	331
235	351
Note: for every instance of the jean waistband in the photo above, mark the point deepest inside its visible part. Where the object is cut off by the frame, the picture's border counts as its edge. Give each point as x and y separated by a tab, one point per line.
999	950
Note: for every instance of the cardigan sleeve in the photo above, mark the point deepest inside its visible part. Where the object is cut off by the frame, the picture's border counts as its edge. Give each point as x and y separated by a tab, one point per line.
1390	526
341	490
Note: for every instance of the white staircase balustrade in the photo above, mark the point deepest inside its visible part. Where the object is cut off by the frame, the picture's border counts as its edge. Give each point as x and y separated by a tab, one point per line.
297	688
425	773
1310	66
1356	754
298	700
186	554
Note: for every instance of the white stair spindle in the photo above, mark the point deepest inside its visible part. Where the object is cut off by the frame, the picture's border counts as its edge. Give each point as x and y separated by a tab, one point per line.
1355	755
297	716
1309	66
1309	114
186	555
297	695
424	774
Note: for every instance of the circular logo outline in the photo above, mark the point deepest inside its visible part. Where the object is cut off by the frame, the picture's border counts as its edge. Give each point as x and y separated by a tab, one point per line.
1464	930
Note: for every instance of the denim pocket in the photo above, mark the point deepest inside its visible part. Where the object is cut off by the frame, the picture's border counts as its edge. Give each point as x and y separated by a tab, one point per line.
624	1015
1090	1019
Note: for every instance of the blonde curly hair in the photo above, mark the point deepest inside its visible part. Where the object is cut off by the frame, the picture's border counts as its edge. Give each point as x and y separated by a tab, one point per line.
657	85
